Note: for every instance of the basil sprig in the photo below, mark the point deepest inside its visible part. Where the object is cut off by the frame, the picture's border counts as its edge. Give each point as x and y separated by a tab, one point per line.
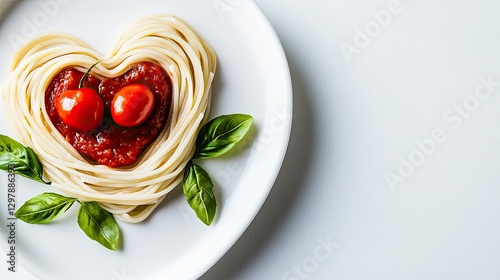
221	134
22	160
198	188
97	223
215	138
43	208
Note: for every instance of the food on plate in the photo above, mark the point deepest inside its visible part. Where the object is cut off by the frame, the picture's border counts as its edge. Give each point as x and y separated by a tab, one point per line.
133	118
132	159
115	133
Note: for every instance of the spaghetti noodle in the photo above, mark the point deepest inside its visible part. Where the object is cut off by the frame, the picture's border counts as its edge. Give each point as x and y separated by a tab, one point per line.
132	192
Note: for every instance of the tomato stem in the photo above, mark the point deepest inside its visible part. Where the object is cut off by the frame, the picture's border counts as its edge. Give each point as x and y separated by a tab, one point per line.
80	85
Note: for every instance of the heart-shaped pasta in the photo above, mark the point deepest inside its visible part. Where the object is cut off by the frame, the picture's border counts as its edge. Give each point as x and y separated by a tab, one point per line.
131	193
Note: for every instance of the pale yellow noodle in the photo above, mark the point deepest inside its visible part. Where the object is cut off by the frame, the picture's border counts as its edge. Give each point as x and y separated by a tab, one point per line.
131	193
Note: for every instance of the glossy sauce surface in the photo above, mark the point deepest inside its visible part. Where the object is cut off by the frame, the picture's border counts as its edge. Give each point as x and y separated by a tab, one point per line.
111	144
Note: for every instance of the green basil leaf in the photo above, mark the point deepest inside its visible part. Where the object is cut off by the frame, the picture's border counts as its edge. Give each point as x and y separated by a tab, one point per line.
198	189
99	225
221	134
14	157
43	208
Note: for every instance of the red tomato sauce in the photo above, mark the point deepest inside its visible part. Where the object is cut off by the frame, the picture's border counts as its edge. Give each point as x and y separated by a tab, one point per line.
111	144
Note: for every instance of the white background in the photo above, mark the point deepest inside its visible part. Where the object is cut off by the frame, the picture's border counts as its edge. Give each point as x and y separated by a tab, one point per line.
360	117
352	122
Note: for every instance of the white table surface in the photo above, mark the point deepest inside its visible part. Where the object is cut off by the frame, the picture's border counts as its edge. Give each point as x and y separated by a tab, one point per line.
416	101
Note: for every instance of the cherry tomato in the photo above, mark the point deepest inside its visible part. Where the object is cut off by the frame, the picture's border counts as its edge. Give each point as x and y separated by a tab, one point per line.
81	109
132	105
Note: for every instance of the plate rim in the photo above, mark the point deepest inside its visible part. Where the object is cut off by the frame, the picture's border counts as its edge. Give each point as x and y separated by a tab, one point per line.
287	87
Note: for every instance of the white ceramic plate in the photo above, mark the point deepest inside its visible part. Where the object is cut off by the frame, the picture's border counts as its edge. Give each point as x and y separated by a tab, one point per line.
252	78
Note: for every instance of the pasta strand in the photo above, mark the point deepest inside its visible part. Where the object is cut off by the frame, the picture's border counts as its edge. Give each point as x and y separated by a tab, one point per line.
131	193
